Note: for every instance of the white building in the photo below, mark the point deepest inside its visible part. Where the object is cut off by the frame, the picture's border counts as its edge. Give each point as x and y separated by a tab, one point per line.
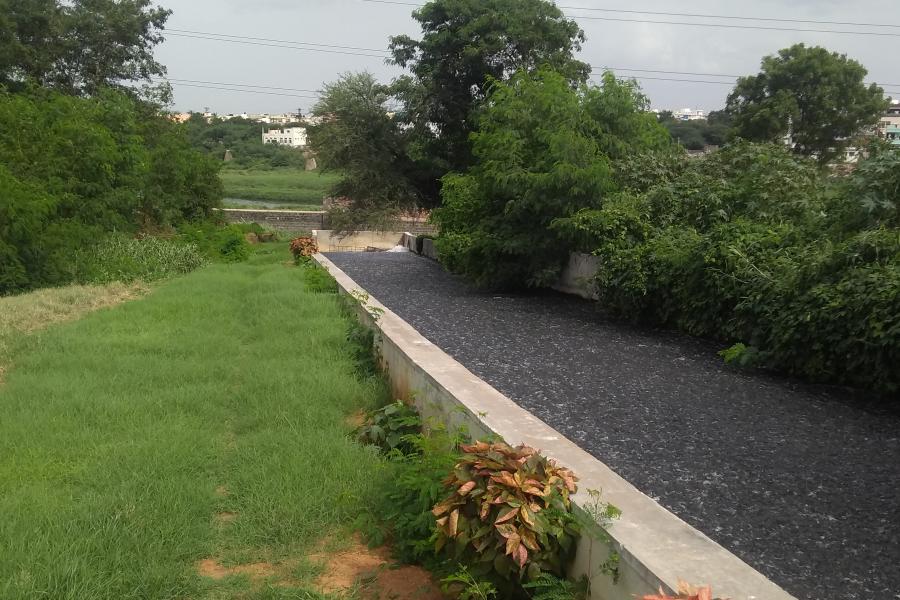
294	137
688	114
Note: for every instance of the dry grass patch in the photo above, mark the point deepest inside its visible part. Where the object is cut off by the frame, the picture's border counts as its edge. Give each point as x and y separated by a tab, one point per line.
27	313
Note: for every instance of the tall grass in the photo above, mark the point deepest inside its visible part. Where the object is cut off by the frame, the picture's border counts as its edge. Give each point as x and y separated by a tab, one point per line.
122	258
123	434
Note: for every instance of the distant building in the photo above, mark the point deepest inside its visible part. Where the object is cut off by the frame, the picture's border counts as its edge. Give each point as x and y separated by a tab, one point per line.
688	114
294	137
890	121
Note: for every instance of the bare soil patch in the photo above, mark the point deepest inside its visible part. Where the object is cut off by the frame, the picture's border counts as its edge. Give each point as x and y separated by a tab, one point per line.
373	572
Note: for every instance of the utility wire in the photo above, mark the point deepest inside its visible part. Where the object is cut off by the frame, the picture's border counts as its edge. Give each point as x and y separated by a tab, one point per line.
730	17
285	47
260	39
247	85
685	23
227	89
618	69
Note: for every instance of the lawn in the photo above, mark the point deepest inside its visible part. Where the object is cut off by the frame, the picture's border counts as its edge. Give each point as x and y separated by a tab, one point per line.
283	187
199	429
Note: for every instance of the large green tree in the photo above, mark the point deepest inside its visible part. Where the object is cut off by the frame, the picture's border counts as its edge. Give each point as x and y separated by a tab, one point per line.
358	138
816	96
79	46
543	151
465	44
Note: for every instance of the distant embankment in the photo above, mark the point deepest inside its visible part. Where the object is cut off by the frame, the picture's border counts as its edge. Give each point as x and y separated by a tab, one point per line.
296	221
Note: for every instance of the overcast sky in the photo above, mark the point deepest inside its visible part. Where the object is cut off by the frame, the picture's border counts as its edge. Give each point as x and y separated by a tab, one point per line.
618	44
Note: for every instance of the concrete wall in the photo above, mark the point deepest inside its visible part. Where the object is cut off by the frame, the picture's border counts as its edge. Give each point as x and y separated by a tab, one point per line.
286	221
329	241
423	246
578	276
656	547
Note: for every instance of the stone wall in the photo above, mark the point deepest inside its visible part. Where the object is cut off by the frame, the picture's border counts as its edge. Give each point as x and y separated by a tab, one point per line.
578	276
285	221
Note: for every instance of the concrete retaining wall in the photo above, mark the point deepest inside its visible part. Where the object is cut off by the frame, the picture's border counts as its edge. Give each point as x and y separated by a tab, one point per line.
420	245
286	221
656	548
360	241
578	276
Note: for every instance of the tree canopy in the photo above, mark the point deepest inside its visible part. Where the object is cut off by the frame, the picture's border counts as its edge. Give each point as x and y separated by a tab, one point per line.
816	96
360	139
466	44
79	47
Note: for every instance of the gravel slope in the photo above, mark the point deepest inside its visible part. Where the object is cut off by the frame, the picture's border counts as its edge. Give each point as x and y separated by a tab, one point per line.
801	482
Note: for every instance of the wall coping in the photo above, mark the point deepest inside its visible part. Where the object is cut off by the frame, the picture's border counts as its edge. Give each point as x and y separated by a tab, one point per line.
657	544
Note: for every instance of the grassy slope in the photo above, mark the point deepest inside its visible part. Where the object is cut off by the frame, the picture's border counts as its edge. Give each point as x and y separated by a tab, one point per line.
286	185
117	430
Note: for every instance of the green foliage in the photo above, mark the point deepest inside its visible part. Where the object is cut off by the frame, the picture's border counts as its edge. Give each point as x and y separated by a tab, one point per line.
76	168
390	428
361	141
543	152
466	45
464	586
549	587
243	137
817	96
59	45
412	489
757	246
121	258
508	512
216	242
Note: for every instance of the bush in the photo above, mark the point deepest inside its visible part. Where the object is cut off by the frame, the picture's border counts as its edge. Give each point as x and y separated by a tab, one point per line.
218	243
390	428
125	259
508	512
756	246
303	248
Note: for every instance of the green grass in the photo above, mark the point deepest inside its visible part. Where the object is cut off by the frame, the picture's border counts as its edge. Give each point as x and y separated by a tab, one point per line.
279	186
117	430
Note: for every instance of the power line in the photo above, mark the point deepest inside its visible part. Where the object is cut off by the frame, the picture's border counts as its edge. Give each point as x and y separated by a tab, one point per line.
730	17
245	37
247	85
284	47
226	89
685	23
701	74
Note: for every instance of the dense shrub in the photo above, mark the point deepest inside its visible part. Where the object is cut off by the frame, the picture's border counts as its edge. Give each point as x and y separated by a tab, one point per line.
126	259
508	512
72	169
756	246
223	243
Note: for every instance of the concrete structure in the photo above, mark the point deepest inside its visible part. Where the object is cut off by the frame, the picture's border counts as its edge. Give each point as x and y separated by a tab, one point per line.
285	221
689	114
330	241
294	137
892	134
578	276
656	548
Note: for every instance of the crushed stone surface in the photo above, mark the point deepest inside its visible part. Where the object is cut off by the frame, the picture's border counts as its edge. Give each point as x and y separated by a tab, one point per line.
802	482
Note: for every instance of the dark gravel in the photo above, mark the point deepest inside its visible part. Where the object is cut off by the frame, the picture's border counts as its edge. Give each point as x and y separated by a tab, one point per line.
802	482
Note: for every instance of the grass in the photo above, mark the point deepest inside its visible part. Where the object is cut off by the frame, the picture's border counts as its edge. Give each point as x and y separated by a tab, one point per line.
282	186
28	313
124	434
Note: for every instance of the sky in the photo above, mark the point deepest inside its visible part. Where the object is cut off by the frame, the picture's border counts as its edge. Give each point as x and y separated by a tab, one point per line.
622	44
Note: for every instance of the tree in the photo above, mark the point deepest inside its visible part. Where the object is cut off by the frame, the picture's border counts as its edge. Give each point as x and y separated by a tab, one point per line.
816	96
361	140
543	151
79	47
466	44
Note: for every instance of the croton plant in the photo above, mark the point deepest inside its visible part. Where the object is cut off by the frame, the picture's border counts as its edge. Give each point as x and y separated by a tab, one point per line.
508	511
304	247
685	592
